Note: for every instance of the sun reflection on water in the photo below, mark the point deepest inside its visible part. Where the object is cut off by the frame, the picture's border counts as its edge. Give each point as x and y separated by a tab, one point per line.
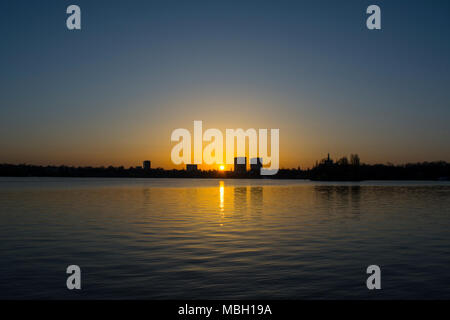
222	195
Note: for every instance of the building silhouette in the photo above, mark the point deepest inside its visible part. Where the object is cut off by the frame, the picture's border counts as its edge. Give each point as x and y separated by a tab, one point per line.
328	161
147	165
255	165
240	165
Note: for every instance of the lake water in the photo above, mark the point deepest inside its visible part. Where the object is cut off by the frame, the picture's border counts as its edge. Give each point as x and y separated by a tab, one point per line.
231	239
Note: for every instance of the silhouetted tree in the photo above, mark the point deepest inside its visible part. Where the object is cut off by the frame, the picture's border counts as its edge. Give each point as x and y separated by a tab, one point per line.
343	161
354	160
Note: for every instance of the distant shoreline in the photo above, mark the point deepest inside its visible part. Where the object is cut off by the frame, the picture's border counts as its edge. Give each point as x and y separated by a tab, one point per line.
229	178
425	171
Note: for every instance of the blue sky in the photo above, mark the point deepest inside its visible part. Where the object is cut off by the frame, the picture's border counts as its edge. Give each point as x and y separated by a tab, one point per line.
113	92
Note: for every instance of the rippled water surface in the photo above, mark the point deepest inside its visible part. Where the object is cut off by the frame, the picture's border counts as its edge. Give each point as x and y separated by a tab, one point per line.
186	239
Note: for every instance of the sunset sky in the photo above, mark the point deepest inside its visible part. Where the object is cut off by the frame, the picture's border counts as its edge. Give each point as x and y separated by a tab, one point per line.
112	93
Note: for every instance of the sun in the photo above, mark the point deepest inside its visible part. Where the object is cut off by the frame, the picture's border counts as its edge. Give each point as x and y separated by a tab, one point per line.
221	168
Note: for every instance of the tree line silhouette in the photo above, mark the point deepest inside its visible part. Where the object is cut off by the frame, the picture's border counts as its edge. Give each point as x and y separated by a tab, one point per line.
343	169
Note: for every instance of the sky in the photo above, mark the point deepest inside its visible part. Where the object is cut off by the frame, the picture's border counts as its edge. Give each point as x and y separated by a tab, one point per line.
113	92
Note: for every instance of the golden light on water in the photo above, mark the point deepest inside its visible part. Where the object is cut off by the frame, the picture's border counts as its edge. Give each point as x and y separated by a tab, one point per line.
222	195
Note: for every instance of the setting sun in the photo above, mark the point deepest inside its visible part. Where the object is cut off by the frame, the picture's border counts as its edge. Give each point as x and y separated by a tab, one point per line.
221	168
